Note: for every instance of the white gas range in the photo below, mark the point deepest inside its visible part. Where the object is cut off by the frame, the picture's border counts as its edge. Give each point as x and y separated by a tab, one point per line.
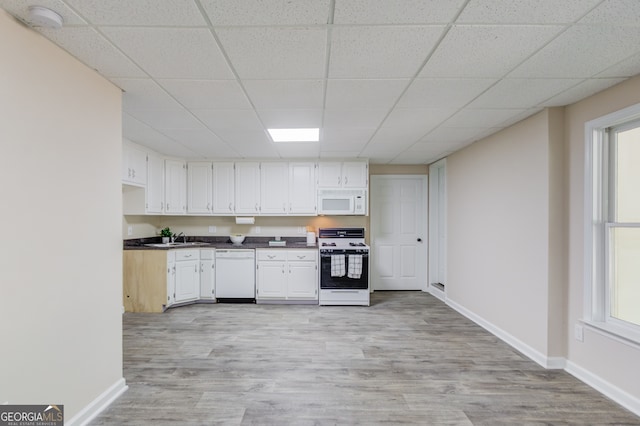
344	267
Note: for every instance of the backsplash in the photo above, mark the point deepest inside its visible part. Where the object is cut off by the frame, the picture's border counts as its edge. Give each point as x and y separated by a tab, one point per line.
265	226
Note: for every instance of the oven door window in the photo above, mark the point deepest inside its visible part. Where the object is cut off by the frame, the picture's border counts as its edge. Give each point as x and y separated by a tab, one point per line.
329	282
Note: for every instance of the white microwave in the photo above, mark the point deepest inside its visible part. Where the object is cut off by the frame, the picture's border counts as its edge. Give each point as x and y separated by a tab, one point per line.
342	201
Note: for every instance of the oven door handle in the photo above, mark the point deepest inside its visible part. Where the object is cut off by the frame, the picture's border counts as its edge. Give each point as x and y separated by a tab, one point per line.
346	254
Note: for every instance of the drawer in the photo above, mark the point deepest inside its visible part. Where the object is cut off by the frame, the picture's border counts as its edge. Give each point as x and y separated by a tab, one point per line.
207	254
272	255
293	255
187	255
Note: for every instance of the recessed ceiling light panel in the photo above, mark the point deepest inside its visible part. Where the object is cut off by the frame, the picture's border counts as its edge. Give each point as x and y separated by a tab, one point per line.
295	135
42	17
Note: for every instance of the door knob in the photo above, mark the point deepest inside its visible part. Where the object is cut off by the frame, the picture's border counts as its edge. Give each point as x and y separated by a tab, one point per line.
419	240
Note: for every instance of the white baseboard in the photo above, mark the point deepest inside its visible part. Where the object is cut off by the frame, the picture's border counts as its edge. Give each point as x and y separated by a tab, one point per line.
535	355
437	293
96	406
618	395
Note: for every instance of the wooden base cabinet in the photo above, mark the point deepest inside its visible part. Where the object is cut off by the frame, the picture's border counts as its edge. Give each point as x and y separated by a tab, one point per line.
287	275
154	280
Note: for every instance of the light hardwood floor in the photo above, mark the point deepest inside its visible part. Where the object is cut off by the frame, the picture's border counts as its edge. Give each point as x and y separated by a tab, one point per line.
407	359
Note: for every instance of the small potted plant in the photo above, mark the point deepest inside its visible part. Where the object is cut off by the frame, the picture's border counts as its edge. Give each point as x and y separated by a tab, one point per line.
166	235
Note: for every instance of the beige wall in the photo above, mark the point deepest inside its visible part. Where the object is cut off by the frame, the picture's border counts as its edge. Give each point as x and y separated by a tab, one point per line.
60	320
609	359
516	240
498	230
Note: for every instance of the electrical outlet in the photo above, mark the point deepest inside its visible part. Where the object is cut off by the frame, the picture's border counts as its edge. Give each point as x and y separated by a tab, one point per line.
256	229
213	229
579	333
130	230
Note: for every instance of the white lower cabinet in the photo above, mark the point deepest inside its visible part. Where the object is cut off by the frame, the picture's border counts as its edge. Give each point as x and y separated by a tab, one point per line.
287	275
207	274
187	275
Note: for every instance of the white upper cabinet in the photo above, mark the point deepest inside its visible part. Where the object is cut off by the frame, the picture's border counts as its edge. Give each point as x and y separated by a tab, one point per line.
175	187
199	188
223	188
134	165
274	194
348	174
355	174
248	188
302	188
155	184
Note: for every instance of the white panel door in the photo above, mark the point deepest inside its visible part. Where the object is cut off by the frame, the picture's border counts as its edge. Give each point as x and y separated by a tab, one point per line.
398	232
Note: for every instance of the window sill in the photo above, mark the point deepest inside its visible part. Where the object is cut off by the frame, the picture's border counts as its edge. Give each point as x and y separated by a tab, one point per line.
618	333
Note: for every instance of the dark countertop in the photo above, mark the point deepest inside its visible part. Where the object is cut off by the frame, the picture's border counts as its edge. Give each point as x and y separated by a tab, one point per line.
218	243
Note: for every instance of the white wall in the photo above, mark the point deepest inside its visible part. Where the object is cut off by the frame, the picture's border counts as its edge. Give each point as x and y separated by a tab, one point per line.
498	231
61	261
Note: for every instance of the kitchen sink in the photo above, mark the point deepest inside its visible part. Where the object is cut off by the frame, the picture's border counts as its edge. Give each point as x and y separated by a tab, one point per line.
176	244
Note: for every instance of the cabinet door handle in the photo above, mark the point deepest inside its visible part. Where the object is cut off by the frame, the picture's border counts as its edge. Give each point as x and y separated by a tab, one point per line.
301	256
187	255
271	256
346	180
256	206
195	268
283	270
284	207
339	179
167	206
230	207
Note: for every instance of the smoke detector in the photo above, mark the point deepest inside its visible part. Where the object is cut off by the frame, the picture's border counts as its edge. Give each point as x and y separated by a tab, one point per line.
42	17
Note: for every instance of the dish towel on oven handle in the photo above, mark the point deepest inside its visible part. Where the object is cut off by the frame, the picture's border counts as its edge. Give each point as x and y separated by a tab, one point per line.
355	266
337	265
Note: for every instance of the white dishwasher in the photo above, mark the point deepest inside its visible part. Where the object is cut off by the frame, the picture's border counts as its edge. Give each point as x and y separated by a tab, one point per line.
235	274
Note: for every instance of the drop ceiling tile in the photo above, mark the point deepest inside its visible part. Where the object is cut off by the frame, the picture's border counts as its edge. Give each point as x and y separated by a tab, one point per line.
144	94
267	12
285	94
443	92
172	52
298	150
347	118
486	51
166	118
239	119
20	9
389	139
238	137
447	135
522	93
256	149
395	11
582	51
376	94
338	154
290	118
482	117
94	50
412	159
140	12
581	91
429	147
519	117
625	68
276	52
524	11
141	133
341	139
203	142
207	94
380	52
419	119
615	12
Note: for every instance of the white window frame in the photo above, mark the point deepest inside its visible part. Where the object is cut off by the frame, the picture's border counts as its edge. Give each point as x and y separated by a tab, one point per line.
596	298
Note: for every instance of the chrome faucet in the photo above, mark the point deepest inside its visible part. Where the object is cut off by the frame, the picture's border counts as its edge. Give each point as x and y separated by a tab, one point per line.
184	237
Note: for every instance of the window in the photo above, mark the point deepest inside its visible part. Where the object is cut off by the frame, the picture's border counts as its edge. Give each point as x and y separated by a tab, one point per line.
613	223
